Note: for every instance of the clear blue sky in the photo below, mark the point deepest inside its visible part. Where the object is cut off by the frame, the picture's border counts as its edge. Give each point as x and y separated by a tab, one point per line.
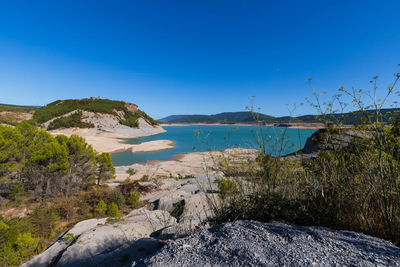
194	57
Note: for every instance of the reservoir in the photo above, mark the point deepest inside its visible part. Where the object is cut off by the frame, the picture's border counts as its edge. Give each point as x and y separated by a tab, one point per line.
201	138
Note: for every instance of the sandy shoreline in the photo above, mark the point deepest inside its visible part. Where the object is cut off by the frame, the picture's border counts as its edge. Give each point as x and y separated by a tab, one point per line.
114	142
182	165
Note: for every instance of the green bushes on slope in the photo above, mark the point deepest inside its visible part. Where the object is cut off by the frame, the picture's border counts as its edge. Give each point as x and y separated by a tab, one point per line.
131	119
8	122
74	120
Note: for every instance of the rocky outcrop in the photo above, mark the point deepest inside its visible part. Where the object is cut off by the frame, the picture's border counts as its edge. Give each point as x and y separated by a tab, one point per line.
187	199
97	116
131	107
321	140
109	123
96	242
249	243
241	243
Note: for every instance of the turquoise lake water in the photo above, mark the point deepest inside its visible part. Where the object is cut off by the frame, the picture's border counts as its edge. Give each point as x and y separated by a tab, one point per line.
200	138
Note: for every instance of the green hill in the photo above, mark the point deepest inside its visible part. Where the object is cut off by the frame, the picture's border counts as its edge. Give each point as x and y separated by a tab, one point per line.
17	108
127	113
225	117
14	114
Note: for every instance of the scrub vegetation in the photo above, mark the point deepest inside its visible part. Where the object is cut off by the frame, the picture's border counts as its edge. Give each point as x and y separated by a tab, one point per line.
47	184
353	187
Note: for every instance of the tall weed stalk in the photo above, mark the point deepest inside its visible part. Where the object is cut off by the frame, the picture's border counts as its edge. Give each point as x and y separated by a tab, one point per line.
352	182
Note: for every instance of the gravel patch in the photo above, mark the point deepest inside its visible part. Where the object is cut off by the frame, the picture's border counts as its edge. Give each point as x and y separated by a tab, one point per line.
250	243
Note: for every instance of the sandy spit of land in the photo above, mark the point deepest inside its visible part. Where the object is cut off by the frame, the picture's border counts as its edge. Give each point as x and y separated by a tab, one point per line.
114	142
114	145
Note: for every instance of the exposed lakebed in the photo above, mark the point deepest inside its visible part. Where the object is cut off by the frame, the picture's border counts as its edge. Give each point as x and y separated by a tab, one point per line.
201	138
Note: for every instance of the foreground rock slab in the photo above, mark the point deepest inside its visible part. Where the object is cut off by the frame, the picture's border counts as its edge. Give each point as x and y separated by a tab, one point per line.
98	243
249	243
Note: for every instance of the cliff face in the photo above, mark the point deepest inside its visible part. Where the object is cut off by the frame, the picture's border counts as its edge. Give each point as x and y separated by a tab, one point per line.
131	107
107	125
321	140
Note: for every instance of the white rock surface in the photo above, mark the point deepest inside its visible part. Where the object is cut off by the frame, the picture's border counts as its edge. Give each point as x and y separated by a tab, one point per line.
52	253
95	238
110	237
109	124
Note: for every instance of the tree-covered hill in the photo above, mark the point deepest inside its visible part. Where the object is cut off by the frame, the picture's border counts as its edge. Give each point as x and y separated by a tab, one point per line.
172	117
127	113
225	117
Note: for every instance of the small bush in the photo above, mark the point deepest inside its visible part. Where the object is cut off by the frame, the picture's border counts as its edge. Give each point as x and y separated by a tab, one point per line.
226	187
118	199
45	221
66	209
127	188
112	210
178	210
145	178
134	199
17	191
263	206
101	208
131	172
69	238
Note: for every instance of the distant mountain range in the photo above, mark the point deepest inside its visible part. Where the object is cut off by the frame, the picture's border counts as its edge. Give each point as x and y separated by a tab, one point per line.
249	117
172	117
225	117
10	106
